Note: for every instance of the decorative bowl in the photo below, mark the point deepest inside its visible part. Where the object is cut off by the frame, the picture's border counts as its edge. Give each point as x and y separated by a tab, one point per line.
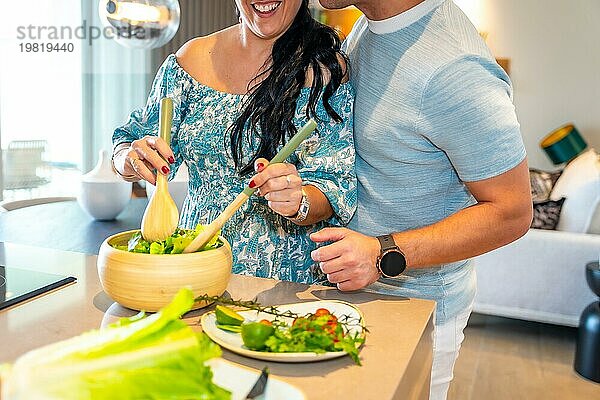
150	281
102	194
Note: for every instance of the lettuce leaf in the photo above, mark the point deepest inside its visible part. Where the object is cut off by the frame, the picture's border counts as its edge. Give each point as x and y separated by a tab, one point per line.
174	244
153	357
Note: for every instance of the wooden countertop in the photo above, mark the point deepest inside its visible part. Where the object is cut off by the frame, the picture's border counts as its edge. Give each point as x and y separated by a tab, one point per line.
396	356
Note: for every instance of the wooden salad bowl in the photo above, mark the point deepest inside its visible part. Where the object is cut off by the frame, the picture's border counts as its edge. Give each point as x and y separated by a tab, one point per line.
150	281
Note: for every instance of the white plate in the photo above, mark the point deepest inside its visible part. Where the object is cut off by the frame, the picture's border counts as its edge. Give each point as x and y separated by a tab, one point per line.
233	341
239	380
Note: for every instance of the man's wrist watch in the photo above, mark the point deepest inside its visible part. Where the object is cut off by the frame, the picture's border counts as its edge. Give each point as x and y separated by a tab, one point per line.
303	210
391	261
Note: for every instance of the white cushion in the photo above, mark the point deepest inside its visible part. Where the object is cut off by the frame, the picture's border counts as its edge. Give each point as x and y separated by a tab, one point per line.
595	222
580	185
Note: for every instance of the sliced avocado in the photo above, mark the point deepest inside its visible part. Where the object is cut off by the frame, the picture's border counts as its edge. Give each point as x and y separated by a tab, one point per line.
226	316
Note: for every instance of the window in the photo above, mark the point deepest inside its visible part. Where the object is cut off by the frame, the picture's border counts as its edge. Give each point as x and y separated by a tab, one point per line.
40	99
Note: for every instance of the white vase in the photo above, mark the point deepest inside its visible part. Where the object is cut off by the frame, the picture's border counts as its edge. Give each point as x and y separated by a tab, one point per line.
178	187
103	194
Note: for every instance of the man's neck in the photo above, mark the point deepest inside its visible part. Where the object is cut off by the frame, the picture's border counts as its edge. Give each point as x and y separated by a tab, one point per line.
376	10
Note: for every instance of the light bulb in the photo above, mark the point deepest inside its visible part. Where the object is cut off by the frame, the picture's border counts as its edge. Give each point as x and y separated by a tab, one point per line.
141	24
136	12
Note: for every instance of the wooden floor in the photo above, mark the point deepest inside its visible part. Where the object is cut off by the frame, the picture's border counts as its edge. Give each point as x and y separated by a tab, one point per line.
505	359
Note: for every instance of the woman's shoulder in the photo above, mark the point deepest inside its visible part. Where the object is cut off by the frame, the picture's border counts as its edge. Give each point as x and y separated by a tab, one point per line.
196	54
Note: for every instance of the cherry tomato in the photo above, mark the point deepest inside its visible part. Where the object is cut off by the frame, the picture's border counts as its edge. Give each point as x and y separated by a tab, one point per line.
322	311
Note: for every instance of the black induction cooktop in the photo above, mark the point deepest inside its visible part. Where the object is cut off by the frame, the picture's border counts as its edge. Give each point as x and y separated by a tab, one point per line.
17	285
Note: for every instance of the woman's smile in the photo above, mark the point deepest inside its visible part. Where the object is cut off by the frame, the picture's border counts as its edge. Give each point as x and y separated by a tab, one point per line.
268	19
266	9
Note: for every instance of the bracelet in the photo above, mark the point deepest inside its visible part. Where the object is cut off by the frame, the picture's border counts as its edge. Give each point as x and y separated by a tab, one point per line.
302	212
130	177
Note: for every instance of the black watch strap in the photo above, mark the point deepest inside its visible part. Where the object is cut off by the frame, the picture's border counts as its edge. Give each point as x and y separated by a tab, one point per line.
386	242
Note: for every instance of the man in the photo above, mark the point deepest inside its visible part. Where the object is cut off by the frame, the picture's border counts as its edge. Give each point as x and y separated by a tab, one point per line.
441	164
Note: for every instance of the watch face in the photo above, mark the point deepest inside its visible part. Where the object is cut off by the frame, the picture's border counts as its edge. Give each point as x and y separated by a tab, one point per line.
393	263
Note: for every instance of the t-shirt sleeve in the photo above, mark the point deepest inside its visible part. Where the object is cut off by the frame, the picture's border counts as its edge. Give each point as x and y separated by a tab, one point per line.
467	112
352	39
170	81
326	159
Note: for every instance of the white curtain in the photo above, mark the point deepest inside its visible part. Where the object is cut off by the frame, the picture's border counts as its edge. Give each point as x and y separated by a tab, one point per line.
115	81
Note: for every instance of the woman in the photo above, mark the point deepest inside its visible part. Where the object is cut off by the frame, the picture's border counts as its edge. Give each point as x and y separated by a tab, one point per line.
238	96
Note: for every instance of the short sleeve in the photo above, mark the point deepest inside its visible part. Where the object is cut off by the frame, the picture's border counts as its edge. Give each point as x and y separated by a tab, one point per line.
326	159
170	81
467	112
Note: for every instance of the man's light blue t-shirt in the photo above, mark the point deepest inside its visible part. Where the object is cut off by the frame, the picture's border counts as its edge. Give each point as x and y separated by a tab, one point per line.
433	110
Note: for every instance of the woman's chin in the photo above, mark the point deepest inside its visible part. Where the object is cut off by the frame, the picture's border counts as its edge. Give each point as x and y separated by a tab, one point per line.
272	24
268	32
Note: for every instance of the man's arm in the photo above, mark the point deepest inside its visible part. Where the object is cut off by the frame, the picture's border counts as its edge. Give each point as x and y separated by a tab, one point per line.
503	214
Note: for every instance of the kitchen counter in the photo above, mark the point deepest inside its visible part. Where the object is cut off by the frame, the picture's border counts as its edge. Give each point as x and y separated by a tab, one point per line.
396	357
82	234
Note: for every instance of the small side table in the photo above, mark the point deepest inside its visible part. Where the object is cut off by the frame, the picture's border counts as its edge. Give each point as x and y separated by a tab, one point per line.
587	355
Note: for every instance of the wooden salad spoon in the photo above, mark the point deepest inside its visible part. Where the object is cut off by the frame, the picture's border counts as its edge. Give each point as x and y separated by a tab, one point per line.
161	216
211	229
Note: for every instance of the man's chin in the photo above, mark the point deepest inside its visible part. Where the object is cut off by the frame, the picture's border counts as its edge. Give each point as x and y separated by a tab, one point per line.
336	4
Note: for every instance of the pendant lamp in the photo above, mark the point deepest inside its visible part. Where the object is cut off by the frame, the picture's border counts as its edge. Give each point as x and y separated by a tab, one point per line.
141	24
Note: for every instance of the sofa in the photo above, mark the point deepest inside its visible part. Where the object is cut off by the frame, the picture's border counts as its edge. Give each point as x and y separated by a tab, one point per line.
541	276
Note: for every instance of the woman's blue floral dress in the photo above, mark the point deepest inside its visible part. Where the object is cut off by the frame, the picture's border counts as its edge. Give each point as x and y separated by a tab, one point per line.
264	243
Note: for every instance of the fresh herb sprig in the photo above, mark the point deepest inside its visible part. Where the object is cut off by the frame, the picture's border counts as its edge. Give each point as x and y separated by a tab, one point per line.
345	320
247	304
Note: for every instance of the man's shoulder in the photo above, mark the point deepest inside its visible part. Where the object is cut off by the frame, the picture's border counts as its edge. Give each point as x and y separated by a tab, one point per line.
451	36
430	49
442	51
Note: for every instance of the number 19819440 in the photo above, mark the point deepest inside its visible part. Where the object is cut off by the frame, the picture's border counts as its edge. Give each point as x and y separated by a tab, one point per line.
47	47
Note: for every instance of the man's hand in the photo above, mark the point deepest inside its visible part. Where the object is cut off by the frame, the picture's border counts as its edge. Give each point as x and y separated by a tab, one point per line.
350	262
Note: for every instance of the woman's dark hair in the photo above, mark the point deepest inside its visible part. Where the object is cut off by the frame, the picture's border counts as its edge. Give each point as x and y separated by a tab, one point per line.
269	109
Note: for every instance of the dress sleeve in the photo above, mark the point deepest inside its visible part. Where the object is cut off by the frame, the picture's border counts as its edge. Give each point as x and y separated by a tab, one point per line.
326	159
467	111
170	81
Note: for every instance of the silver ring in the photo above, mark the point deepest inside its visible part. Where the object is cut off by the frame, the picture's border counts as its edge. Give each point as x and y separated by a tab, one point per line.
289	181
134	165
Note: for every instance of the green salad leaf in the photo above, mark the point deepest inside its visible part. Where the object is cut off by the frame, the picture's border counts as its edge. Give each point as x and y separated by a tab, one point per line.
143	357
174	244
311	333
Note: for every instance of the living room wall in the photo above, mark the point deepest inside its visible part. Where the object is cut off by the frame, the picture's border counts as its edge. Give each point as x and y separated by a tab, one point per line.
554	50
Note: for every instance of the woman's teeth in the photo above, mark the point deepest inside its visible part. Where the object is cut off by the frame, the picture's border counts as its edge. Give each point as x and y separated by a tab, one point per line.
266	8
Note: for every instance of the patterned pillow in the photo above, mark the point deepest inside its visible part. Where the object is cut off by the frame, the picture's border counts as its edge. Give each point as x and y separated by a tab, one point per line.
546	214
542	183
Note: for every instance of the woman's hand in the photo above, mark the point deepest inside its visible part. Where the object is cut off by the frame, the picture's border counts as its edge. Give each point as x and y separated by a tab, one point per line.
280	185
140	158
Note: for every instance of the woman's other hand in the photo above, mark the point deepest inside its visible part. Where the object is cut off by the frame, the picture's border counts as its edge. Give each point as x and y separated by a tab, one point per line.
280	185
141	158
